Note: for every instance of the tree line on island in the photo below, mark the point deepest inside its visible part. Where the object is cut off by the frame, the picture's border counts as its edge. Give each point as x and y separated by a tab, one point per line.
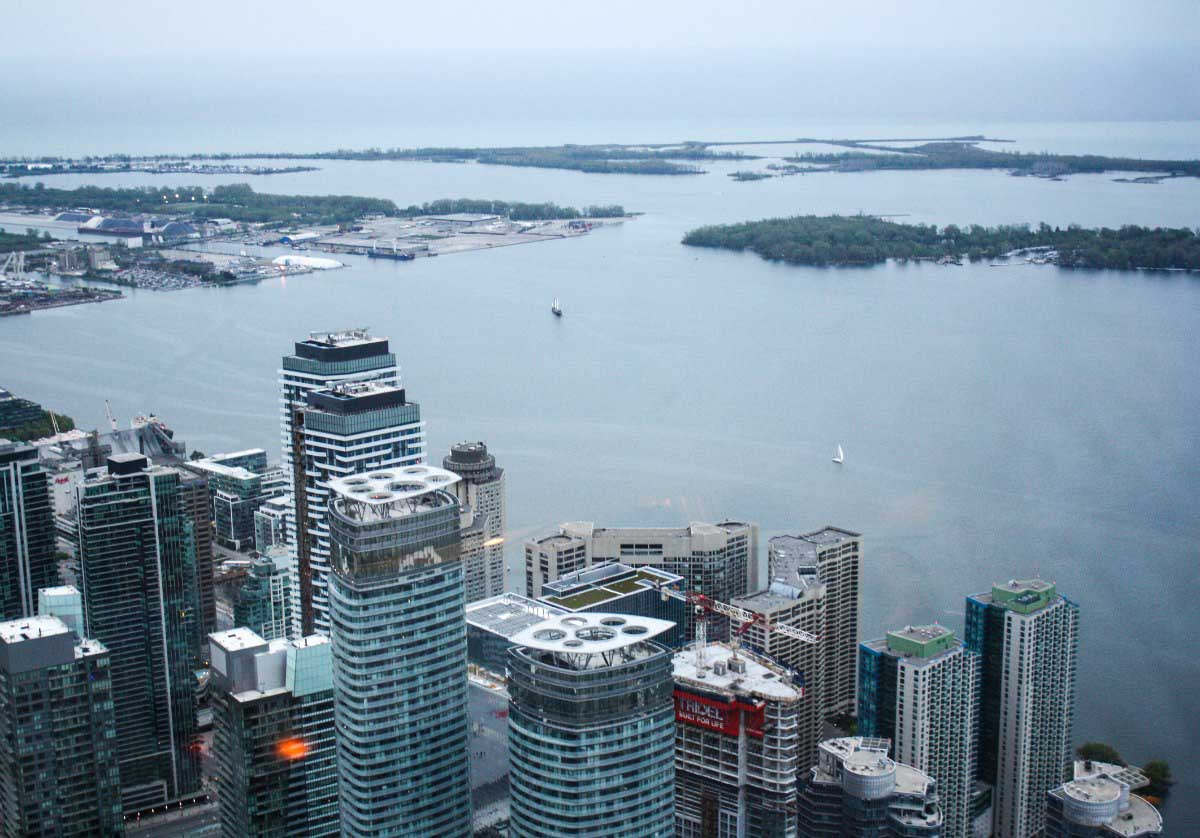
240	202
868	240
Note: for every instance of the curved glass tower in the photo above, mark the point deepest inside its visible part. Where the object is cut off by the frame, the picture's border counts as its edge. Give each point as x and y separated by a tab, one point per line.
399	654
591	729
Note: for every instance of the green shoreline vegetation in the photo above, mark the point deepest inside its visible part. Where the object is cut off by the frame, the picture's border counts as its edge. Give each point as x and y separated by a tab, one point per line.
867	240
29	240
240	202
39	428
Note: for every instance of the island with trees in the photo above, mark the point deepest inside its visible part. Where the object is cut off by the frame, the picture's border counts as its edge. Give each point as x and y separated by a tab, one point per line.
869	240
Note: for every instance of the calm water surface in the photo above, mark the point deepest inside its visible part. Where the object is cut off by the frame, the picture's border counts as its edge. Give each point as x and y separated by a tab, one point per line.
997	422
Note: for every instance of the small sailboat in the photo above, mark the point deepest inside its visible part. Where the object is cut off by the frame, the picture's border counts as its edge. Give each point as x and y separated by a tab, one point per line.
556	308
839	457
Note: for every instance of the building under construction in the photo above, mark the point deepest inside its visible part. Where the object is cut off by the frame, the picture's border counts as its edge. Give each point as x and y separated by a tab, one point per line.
736	739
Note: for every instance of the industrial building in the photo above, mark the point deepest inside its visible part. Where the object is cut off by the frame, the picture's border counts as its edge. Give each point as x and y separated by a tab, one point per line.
856	791
274	738
717	560
399	653
736	745
138	578
58	758
615	588
591	729
1027	636
919	687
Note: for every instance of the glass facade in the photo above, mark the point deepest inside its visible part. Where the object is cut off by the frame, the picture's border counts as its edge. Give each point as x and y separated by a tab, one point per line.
591	744
138	578
26	531
400	667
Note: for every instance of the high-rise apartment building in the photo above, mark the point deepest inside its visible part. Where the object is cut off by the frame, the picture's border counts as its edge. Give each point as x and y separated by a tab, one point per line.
1097	803
856	791
318	363
274	739
238	484
352	428
270	522
835	556
591	729
918	687
399	653
194	499
736	737
717	560
264	603
481	489
58	746
138	578
1026	634
800	603
27	532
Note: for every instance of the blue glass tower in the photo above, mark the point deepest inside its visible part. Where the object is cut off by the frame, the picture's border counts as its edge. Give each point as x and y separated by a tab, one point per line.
591	728
399	654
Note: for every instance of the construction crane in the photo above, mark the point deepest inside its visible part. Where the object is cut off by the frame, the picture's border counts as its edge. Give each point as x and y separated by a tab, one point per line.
108	410
706	605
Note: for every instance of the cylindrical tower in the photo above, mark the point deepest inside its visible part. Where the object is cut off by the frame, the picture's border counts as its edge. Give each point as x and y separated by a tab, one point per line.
591	729
399	654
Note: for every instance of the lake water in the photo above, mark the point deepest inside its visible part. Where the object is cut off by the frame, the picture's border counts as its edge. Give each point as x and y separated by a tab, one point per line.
997	422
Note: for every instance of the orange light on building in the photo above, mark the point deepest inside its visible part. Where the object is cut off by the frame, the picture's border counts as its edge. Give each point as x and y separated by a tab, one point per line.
492	542
292	749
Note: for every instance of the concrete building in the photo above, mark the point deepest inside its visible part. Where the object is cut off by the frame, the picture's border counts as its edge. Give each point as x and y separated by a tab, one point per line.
835	554
27	533
137	575
799	602
270	523
58	747
717	560
1026	635
482	489
352	428
856	791
273	735
919	687
615	588
591	729
318	363
399	653
1097	803
736	738
264	603
492	623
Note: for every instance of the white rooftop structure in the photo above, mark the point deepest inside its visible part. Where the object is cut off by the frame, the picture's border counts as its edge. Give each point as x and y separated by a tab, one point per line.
587	633
31	628
236	638
509	613
747	674
386	486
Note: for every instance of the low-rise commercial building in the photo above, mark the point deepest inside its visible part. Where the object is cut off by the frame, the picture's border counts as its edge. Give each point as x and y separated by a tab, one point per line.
615	588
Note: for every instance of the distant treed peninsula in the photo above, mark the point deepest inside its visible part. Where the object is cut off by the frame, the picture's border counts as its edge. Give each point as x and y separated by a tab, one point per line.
240	202
924	153
867	240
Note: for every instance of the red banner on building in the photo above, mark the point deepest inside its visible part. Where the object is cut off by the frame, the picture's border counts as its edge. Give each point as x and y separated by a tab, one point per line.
718	714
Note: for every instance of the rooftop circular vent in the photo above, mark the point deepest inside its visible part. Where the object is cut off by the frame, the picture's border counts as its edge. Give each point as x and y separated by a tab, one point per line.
595	633
381	475
634	630
613	621
381	496
574	621
549	634
400	486
573	644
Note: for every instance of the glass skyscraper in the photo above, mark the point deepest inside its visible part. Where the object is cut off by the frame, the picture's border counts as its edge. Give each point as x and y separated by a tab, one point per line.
138	578
399	653
591	728
26	531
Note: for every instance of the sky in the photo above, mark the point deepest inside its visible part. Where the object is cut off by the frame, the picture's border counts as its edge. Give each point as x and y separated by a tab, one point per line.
89	77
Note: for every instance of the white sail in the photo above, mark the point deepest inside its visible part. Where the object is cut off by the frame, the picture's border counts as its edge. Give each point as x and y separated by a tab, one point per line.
839	457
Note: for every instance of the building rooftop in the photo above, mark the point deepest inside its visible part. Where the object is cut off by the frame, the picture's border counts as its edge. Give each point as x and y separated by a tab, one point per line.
604	583
386	486
508	614
1023	596
236	638
589	633
31	628
760	678
59	590
345	337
